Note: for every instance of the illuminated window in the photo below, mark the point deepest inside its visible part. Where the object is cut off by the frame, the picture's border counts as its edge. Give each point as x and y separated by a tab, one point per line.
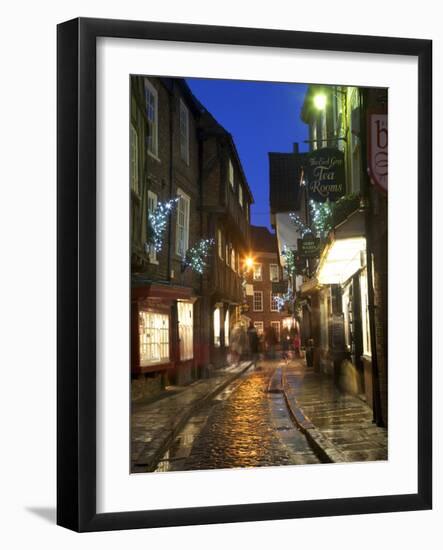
217	327
233	258
231	173
182	229
154	337
259	327
257	304
365	312
152	117
274	302
152	205
274	273
257	272
134	161
220	243
240	195
184	132
227	328
186	330
227	254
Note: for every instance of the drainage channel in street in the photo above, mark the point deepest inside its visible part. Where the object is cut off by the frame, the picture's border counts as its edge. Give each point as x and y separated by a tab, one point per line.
246	425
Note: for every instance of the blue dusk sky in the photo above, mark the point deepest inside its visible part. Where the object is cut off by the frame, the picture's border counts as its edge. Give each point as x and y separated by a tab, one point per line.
262	117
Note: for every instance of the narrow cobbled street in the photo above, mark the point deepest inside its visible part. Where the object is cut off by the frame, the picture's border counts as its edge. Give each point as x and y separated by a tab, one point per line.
246	425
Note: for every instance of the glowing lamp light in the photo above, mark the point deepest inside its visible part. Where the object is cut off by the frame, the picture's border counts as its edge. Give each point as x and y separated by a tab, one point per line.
249	262
320	101
342	260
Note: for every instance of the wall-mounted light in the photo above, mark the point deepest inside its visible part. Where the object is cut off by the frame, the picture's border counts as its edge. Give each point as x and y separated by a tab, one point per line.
320	101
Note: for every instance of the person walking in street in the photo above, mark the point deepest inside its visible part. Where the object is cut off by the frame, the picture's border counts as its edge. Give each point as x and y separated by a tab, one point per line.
297	344
270	341
253	343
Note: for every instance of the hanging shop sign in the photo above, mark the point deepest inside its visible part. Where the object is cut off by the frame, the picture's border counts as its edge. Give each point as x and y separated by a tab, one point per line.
378	150
308	246
325	174
280	287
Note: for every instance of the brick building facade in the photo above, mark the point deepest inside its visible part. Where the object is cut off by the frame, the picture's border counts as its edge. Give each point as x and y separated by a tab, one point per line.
265	281
179	152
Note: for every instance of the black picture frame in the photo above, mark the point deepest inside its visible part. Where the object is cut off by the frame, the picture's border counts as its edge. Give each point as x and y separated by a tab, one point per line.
76	295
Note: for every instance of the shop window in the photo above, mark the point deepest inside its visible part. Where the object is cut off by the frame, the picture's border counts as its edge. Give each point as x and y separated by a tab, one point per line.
257	304
154	338
365	312
186	330
227	328
217	327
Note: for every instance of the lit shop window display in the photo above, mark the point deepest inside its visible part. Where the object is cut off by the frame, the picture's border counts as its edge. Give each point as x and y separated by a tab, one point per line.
154	337
186	330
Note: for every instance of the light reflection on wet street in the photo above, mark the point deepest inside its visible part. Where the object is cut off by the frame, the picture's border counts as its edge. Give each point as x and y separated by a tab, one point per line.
244	426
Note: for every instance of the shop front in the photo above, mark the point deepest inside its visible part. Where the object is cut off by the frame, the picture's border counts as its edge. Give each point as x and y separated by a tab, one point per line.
162	338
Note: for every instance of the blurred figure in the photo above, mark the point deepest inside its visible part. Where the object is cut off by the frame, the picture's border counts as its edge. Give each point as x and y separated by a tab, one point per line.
253	340
297	344
270	342
239	345
285	343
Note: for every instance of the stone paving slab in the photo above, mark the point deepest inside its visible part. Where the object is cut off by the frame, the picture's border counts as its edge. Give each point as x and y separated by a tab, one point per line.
154	424
338	425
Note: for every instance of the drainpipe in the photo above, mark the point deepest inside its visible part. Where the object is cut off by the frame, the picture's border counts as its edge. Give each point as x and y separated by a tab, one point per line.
366	193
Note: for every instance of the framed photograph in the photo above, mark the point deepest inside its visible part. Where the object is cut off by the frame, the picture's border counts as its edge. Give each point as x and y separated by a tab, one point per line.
244	274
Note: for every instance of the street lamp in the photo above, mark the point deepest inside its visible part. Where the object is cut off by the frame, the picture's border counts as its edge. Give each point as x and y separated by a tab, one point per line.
320	101
249	262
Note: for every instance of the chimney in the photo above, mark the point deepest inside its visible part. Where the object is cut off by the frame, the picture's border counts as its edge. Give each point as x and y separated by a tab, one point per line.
295	148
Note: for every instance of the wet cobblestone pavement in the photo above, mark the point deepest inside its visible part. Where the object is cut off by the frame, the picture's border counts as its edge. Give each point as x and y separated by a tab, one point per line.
245	426
344	419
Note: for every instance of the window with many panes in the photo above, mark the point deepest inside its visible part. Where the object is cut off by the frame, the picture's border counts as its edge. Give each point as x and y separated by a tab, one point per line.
152	205
154	337
151	98
186	330
274	302
257	304
274	274
184	132
134	161
182	227
257	272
